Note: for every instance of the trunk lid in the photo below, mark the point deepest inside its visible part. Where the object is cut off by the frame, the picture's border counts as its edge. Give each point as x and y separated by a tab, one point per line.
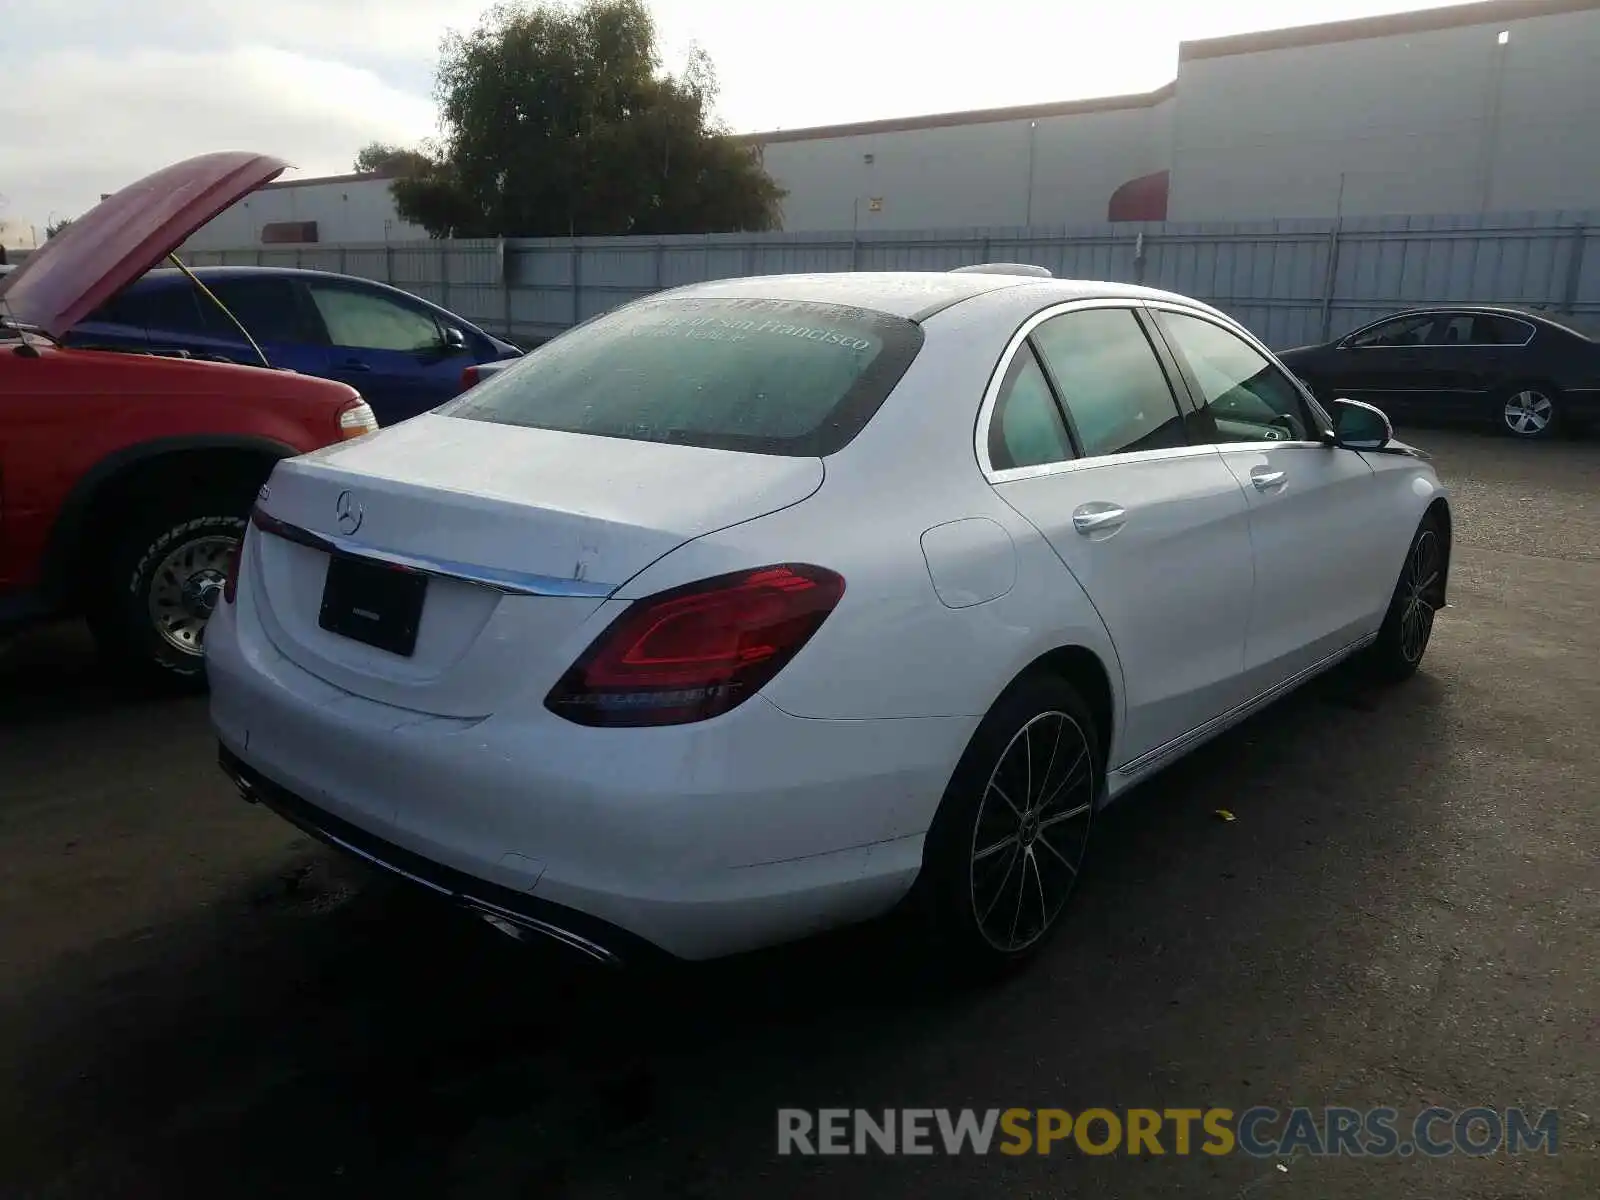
125	235
524	532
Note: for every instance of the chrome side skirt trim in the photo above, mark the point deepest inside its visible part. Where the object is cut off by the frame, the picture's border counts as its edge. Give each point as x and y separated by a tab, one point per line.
513	583
1152	759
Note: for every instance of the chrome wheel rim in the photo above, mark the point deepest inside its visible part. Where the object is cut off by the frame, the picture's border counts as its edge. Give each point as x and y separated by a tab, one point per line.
1031	831
185	589
1528	413
1418	591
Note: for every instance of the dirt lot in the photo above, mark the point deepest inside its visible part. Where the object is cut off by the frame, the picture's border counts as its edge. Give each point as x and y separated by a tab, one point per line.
195	1001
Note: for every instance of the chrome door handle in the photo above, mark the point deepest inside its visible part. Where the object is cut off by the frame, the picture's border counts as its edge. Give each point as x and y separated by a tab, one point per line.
1267	480
1094	517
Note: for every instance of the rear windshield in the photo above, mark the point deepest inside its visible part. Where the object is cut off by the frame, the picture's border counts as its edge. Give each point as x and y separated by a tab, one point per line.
763	376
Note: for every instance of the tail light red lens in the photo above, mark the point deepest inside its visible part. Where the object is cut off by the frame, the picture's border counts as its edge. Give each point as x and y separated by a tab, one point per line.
230	581
697	651
469	378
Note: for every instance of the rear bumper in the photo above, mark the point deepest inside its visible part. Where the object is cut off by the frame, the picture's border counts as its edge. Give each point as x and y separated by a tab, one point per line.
699	841
596	940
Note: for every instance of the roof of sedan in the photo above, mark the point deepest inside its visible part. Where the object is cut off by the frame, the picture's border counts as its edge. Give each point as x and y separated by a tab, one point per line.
915	295
219	270
1509	310
1567	323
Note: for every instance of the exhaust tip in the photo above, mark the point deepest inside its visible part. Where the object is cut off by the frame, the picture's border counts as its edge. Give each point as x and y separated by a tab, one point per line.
504	926
246	789
520	928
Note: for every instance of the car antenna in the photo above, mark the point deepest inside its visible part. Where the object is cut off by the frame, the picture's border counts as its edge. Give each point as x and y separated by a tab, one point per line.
226	311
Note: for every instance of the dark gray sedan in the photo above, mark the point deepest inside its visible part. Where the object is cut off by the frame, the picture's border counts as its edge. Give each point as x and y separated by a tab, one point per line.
1521	370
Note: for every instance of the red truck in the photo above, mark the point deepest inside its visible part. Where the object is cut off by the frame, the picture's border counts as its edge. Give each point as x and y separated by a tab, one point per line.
125	479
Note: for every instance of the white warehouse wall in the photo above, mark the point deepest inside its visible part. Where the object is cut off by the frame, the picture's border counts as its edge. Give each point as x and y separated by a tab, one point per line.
1547	145
346	209
1443	121
975	173
1420	113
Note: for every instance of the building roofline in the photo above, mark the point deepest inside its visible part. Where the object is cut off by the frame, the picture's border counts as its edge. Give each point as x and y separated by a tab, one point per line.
352	177
978	116
1486	12
1428	20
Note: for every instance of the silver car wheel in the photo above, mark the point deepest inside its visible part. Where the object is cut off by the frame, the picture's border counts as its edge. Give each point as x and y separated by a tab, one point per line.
1031	831
1528	413
1418	596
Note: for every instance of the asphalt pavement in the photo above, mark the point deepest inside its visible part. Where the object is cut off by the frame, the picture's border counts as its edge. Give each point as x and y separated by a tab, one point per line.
1405	911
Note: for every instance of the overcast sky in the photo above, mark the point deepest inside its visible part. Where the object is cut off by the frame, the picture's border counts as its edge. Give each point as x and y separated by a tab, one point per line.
99	92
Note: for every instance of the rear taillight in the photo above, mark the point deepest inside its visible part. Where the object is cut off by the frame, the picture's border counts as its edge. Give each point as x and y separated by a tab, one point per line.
469	378
230	581
356	420
697	651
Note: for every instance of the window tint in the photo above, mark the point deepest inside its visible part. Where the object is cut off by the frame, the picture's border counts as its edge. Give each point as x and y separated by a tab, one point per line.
366	321
1025	429
1480	329
269	308
1248	398
1111	382
179	310
766	376
1502	331
1403	331
124	309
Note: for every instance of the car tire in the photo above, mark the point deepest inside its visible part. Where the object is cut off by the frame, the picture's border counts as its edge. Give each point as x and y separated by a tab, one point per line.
1528	411
1000	840
1418	595
164	578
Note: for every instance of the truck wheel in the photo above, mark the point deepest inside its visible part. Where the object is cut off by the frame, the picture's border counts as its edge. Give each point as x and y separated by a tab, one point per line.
165	578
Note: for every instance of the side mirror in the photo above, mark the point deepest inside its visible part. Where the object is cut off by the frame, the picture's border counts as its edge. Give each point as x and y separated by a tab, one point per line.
454	340
1359	426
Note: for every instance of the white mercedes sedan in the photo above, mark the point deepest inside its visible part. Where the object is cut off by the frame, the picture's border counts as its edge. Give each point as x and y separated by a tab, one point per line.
765	605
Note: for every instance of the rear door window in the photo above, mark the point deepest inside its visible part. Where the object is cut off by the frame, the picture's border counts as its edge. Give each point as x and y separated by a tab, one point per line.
1026	429
1481	329
124	309
764	376
1491	330
1111	382
178	310
272	309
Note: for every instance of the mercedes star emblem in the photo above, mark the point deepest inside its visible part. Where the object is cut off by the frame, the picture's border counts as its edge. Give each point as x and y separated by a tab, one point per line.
348	513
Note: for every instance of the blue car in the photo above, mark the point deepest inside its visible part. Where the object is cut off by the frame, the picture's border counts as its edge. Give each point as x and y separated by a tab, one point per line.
404	355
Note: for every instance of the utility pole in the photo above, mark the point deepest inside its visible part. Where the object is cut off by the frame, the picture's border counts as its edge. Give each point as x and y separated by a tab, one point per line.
1491	135
1033	144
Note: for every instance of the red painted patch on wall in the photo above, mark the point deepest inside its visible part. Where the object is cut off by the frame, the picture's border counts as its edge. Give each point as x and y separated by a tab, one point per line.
1142	199
278	232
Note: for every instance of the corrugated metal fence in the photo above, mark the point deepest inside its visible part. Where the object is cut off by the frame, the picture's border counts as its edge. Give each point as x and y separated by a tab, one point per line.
1291	281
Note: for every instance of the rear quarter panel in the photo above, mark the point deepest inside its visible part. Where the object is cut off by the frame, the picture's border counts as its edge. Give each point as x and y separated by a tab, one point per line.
893	648
1570	363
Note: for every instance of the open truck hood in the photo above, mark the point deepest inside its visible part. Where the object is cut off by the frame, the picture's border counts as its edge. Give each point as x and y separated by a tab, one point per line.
126	234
